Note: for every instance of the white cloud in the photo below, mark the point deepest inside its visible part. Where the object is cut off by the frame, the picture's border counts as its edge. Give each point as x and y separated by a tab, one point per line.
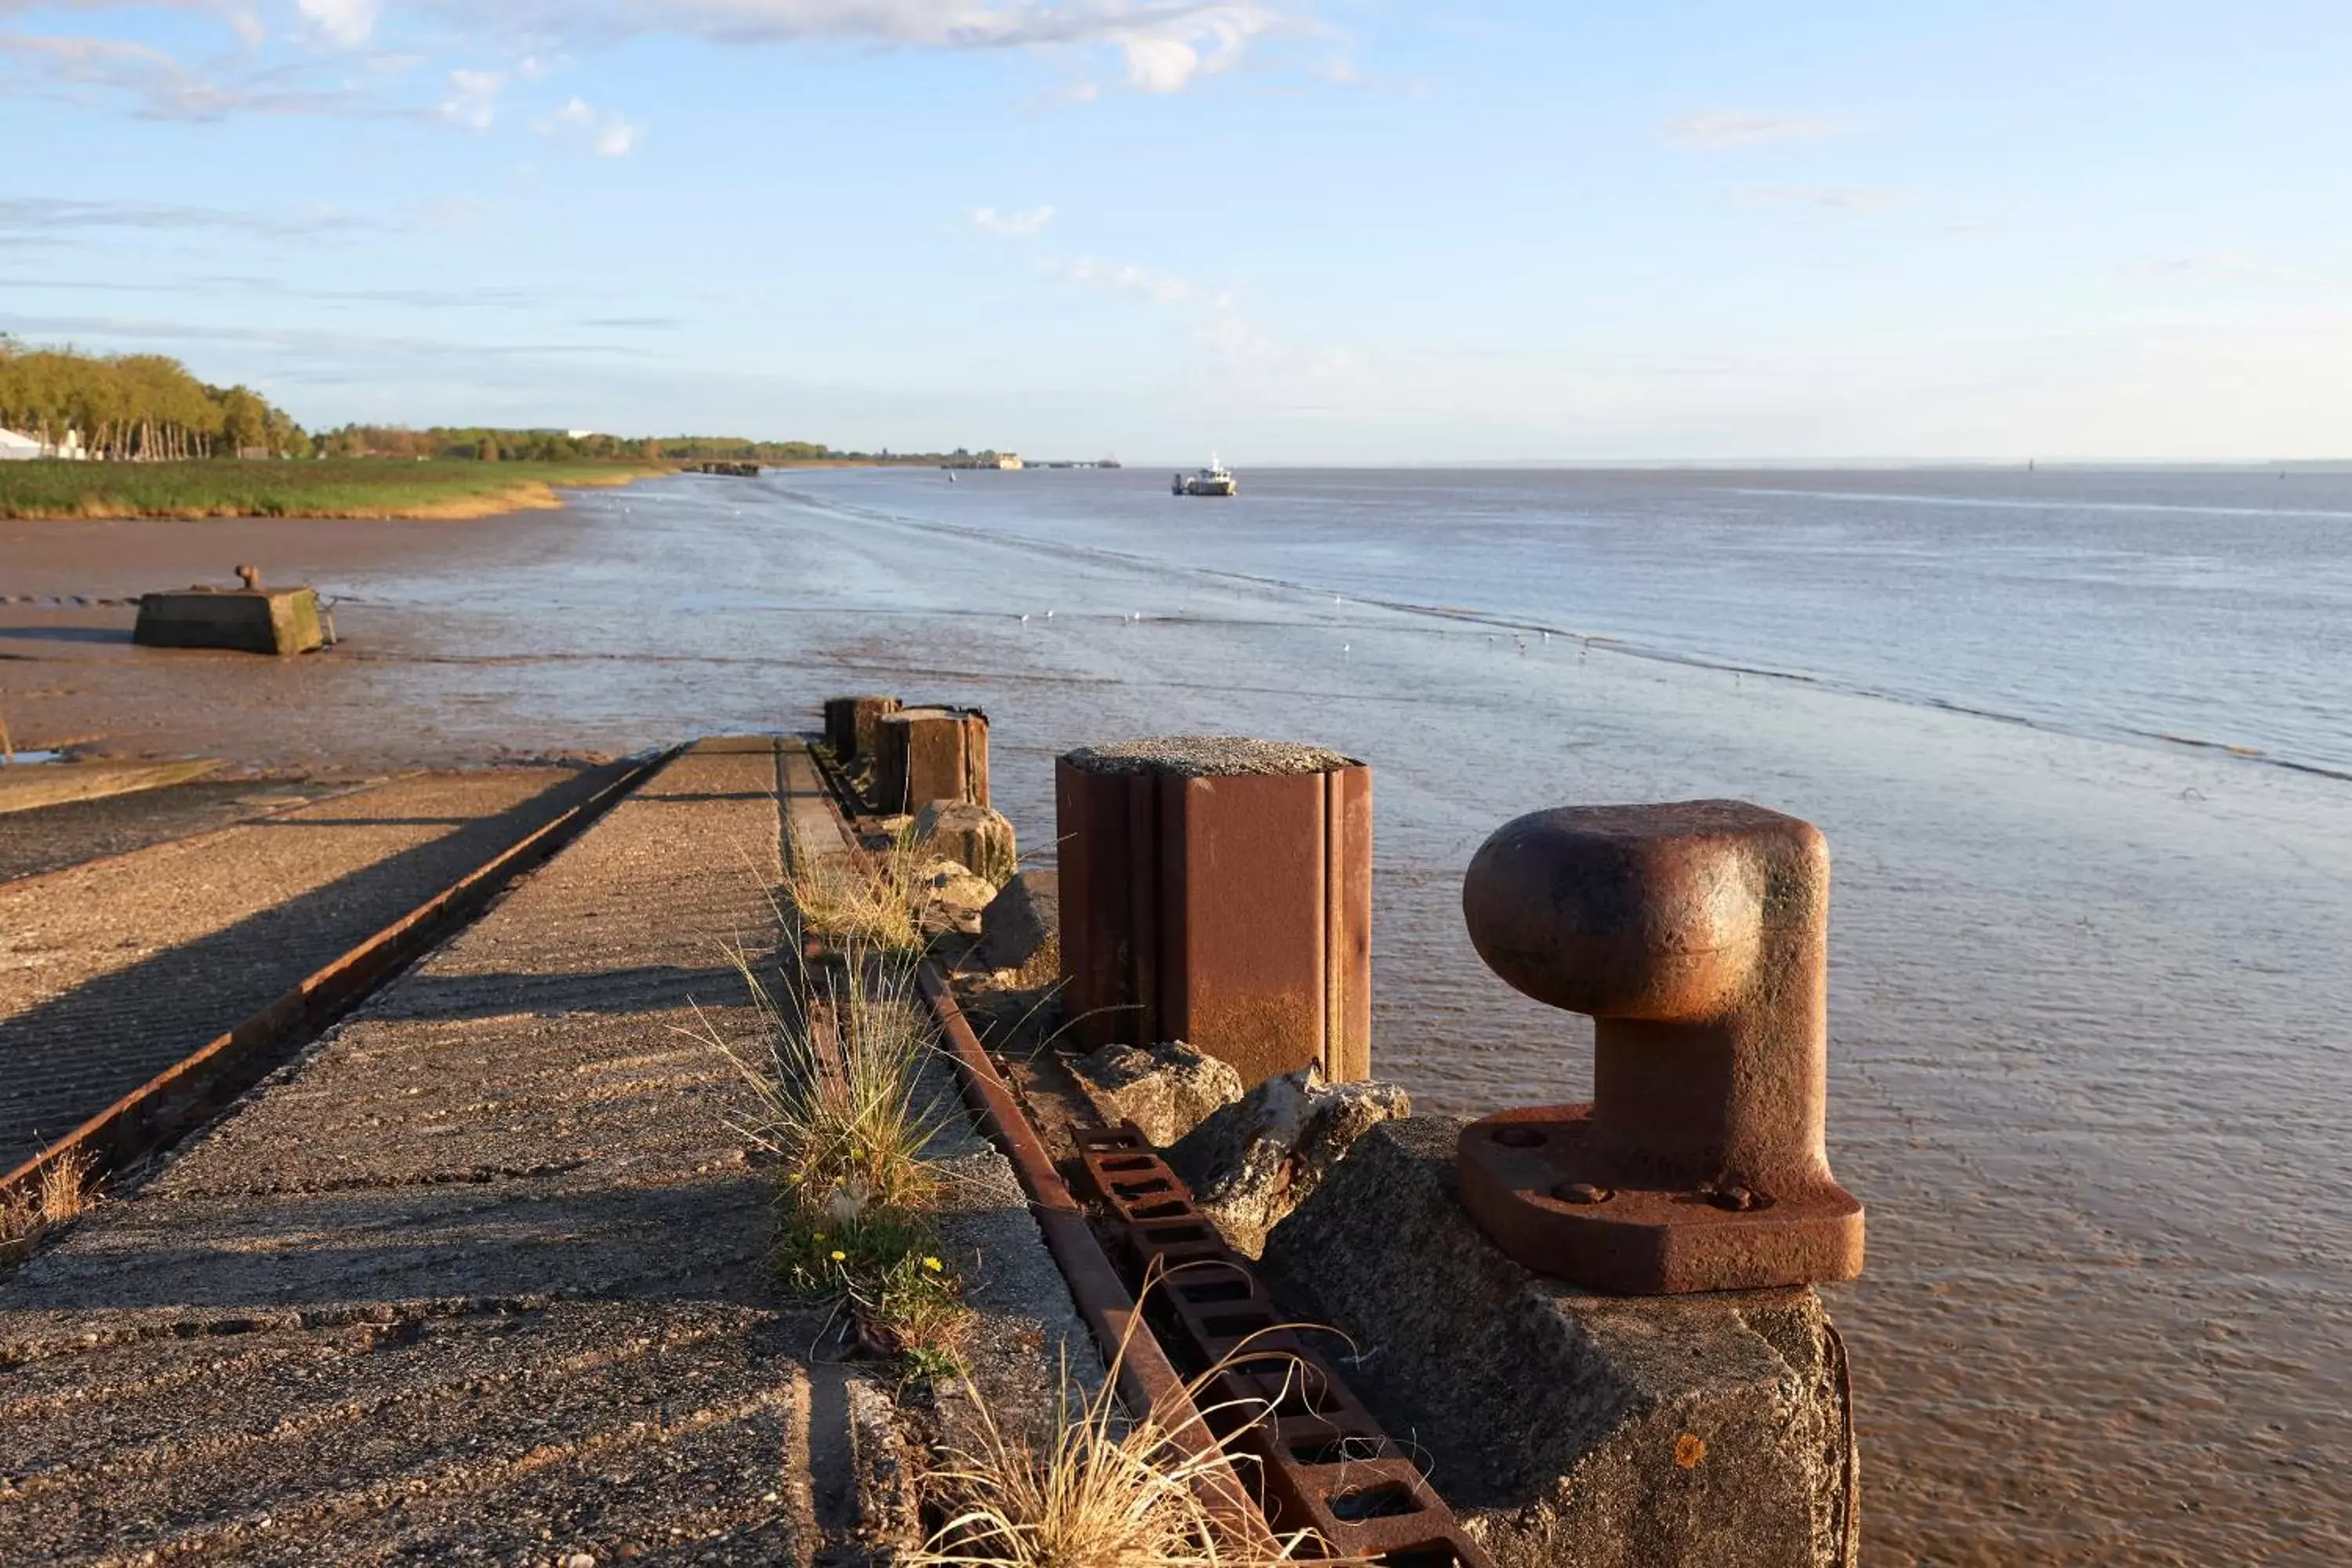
602	131
1832	198
1012	225
345	22
1724	129
473	99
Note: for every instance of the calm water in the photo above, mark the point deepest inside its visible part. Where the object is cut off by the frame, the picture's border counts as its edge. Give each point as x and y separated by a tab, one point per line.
2088	1057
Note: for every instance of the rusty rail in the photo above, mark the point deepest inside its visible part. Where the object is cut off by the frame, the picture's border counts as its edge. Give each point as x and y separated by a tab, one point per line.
199	1087
1324	1463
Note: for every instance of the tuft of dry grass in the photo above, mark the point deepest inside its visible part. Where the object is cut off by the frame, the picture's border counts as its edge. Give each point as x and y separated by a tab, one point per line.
1097	1488
64	1191
839	897
836	1090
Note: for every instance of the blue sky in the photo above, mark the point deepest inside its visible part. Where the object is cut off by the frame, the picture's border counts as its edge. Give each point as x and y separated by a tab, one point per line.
1319	231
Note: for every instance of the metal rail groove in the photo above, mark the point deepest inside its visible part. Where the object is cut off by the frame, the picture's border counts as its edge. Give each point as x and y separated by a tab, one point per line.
1324	1463
191	1092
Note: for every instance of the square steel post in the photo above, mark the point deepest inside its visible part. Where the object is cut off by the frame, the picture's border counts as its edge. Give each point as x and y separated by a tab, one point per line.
1218	890
850	723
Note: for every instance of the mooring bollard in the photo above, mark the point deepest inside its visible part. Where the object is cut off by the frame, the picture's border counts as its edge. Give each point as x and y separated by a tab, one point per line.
922	754
850	723
1218	890
1696	934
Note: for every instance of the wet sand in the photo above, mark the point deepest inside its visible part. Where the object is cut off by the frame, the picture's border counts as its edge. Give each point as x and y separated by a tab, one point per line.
2086	1065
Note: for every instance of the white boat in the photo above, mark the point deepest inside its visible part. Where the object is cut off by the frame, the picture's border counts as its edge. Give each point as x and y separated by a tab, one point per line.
1213	480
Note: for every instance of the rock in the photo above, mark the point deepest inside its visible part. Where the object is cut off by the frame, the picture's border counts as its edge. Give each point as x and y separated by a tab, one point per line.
1166	1091
1257	1159
950	898
1565	1428
1021	920
978	837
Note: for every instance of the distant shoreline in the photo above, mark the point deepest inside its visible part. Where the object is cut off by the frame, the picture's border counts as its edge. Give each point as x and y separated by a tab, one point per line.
452	492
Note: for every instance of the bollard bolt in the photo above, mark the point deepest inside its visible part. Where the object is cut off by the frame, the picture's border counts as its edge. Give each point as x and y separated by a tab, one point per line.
1696	935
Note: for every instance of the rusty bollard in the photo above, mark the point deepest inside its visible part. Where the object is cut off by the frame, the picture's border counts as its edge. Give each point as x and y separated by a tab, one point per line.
851	722
1696	934
923	755
1218	890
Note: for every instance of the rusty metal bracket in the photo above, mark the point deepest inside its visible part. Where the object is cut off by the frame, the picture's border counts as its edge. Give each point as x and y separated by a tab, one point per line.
1697	935
1323	1462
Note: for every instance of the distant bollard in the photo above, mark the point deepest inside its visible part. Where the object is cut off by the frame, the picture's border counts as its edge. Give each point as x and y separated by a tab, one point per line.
1696	934
922	754
1219	891
850	723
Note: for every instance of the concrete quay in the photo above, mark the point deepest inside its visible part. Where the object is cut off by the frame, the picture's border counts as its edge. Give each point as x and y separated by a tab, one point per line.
480	1278
112	971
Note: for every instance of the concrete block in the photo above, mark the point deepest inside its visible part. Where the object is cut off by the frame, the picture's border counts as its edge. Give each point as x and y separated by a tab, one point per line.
1023	918
976	835
1255	1160
1167	1090
1218	890
250	620
1571	1429
930	754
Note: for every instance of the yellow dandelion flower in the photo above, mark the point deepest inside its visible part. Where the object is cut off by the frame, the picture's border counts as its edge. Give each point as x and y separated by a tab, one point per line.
932	1264
839	1256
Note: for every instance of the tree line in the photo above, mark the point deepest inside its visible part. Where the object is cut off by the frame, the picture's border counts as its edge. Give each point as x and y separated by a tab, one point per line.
135	408
149	409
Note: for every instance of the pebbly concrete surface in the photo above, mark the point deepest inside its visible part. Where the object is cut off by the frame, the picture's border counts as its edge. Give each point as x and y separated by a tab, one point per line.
476	1280
111	971
482	1278
53	838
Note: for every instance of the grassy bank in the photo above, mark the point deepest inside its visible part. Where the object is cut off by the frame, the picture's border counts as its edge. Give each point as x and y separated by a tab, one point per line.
350	487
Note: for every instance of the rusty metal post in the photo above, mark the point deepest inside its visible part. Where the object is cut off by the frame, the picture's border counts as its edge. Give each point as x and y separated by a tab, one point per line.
1697	935
850	723
923	755
1218	890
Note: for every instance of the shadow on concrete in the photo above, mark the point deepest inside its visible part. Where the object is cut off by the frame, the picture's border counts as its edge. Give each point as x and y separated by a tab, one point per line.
495	994
69	1057
505	1240
67	634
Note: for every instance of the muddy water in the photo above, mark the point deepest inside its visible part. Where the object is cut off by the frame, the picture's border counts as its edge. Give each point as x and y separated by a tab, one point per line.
2088	1066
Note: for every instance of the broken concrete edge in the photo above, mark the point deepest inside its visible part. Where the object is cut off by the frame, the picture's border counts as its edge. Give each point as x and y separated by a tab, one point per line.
1166	1089
1568	1428
1253	1160
1207	756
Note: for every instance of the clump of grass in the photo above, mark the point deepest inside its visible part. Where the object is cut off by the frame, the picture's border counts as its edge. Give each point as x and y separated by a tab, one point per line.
64	1191
844	898
838	1102
1095	1489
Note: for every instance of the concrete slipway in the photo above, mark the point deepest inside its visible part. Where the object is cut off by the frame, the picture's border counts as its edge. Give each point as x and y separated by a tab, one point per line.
480	1278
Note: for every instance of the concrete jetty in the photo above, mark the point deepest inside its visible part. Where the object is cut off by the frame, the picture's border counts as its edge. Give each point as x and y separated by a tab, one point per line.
111	971
480	1277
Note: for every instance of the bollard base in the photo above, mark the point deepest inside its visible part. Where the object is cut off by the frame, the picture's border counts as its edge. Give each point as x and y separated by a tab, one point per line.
1560	1206
1568	1430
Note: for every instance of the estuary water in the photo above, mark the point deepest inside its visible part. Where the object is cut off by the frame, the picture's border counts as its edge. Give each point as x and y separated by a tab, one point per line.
2089	1067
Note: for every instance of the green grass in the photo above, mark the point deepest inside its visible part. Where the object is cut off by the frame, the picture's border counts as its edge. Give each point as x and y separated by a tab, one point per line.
343	488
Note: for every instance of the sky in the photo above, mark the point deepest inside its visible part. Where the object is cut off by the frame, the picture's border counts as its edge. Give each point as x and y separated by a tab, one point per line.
1289	231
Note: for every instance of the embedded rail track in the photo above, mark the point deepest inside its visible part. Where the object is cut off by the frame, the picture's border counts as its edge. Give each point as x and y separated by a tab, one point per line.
192	1091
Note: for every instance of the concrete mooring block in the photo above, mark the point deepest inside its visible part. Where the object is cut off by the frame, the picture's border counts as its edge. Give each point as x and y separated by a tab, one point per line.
250	620
923	755
1219	890
1571	1429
